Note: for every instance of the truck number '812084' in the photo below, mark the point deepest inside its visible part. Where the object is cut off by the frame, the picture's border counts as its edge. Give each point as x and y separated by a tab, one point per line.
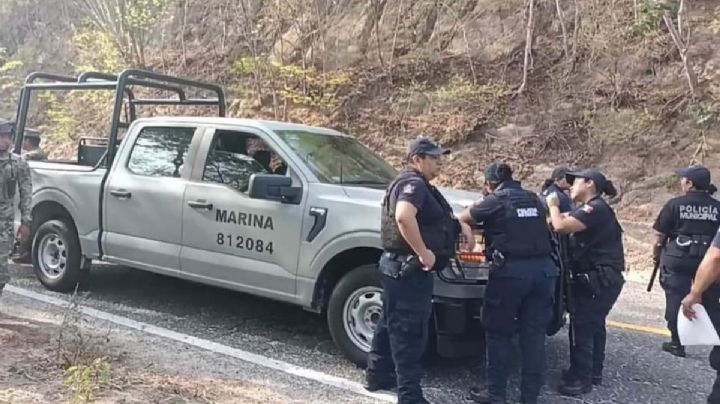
198	198
245	243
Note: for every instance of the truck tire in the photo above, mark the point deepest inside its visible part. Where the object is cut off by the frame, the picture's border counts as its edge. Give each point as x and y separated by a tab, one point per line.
56	255
354	309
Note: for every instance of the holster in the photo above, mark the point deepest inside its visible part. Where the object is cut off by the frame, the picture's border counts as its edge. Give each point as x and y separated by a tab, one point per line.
597	279
397	266
497	260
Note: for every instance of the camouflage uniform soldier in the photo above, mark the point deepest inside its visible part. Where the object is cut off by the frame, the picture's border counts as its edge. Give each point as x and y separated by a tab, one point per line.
14	174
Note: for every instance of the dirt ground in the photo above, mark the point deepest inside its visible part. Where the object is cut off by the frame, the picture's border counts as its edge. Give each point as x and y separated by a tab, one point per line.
37	352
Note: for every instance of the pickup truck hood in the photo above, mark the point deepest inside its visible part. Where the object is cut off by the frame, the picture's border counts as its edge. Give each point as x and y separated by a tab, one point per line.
458	199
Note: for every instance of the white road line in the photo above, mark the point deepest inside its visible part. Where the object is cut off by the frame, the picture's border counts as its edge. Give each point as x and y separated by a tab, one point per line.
246	356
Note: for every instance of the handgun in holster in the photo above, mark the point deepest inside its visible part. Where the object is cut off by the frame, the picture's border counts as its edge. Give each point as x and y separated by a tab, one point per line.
410	264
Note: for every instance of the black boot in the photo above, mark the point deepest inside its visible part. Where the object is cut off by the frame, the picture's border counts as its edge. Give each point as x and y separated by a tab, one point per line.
674	348
574	387
374	382
480	395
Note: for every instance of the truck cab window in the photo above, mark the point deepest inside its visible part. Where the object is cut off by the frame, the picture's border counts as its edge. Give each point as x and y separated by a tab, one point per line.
235	156
160	152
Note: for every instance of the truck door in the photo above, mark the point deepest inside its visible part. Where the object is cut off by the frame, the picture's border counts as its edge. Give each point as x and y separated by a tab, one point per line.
143	199
228	238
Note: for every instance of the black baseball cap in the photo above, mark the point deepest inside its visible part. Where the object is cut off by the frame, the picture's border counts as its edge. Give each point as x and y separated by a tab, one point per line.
426	146
6	127
699	175
560	172
596	176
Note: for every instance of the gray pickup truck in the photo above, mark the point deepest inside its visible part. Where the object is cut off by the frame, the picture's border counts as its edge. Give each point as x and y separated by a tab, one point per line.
284	211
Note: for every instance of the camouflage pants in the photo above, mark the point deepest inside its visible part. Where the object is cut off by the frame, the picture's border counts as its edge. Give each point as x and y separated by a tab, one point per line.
7	238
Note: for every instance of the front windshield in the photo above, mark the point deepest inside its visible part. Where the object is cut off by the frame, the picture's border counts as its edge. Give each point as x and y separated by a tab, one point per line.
339	159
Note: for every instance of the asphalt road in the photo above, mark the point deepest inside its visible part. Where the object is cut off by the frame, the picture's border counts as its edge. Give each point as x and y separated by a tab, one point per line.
636	370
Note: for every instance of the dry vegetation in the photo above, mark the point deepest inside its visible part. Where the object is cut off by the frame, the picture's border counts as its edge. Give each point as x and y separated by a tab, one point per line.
626	85
79	360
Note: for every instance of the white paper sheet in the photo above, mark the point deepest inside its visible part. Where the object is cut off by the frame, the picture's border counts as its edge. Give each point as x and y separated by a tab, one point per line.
699	331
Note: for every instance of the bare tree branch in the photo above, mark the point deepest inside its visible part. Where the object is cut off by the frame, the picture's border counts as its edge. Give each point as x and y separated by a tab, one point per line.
467	43
682	44
528	45
561	18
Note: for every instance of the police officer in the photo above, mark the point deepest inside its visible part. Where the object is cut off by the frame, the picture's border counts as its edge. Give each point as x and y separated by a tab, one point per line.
558	184
31	146
519	296
596	261
685	227
706	291
418	234
14	173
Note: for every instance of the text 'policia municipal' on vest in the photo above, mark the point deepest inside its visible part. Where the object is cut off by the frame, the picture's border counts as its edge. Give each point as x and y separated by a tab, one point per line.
439	237
524	232
698	221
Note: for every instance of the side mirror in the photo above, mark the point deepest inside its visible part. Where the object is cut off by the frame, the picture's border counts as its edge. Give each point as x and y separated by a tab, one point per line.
274	187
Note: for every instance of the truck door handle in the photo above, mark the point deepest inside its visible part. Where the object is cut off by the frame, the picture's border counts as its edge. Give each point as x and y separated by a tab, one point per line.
200	205
120	193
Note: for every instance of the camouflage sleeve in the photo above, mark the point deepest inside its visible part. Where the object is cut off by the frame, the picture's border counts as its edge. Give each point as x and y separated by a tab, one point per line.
25	188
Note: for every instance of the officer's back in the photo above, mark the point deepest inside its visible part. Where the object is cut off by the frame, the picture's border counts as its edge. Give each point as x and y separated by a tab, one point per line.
519	294
689	221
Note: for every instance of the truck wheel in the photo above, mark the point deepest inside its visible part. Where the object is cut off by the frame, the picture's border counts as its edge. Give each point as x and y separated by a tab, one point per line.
56	255
354	310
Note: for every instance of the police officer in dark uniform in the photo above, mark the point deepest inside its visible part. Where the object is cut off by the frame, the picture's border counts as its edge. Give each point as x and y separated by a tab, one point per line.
558	183
519	297
706	291
685	227
596	261
419	233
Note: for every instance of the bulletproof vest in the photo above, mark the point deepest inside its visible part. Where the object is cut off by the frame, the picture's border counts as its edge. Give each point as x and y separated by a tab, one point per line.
8	178
587	254
525	231
439	237
697	222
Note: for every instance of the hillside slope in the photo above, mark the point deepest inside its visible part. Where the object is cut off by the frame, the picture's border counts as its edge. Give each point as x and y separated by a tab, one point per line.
605	83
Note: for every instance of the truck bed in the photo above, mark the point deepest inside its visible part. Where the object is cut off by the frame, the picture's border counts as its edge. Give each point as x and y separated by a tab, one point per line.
54	181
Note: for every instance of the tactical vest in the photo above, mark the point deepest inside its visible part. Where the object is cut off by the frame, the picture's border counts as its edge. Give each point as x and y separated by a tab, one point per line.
525	232
439	237
693	238
589	254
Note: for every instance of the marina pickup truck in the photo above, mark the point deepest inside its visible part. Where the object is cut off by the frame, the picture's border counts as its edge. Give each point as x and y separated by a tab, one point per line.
284	211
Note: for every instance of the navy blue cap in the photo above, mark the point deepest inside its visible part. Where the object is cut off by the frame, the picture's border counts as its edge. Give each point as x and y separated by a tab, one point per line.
426	146
596	176
699	175
6	127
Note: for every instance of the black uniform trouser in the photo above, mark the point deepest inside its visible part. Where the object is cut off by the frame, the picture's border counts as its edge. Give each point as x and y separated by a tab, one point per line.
401	335
711	302
677	283
587	357
518	300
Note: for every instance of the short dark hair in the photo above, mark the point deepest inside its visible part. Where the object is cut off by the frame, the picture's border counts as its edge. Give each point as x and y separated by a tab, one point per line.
497	173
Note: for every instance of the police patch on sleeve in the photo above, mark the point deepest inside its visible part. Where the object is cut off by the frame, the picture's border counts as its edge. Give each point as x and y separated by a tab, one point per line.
587	209
408	189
